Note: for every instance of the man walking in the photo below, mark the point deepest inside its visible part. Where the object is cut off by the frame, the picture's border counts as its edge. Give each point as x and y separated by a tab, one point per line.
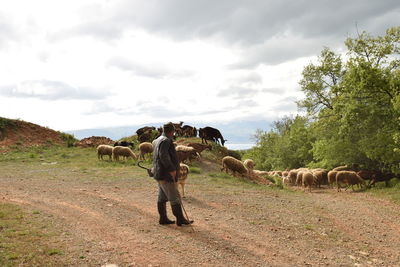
166	172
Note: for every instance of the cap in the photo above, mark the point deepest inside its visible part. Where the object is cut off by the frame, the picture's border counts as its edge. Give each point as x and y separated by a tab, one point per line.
169	127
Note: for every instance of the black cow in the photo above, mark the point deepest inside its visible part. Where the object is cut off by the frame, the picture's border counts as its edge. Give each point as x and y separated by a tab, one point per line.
209	133
144	129
123	143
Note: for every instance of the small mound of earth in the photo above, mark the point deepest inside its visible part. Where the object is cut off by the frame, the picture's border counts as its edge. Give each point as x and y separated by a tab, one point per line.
94	141
26	134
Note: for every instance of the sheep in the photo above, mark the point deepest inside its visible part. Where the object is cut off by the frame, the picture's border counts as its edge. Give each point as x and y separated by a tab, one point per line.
321	175
332	177
342	168
235	166
104	150
299	178
285	173
199	147
285	180
123	151
249	163
145	148
292	176
186	152
260	173
183	175
348	177
308	179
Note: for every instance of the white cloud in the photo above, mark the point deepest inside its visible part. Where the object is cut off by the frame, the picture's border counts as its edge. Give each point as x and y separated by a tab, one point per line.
98	63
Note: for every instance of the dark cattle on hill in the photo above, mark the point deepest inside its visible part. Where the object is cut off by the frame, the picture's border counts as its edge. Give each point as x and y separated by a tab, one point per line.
209	133
123	143
189	131
144	129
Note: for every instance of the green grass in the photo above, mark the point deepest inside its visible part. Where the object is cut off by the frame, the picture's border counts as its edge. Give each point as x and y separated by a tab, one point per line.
24	238
391	192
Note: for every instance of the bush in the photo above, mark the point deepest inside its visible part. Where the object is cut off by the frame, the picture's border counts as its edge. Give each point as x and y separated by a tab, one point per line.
69	139
235	154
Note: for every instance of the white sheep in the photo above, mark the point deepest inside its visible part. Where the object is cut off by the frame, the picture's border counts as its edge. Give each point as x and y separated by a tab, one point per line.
123	151
104	150
348	177
308	179
249	163
183	175
235	166
145	148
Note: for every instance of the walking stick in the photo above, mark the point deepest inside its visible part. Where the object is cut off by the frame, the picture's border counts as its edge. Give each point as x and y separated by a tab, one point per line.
149	172
187	217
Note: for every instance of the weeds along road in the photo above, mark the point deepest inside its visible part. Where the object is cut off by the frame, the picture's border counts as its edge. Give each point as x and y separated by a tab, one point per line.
107	212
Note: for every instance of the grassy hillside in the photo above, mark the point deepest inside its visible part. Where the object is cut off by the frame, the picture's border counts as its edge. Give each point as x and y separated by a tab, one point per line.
17	134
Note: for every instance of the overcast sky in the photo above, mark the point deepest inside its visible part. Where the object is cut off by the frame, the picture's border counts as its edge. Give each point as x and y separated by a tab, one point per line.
98	63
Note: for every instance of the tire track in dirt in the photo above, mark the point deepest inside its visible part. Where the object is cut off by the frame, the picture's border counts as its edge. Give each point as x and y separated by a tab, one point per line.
206	235
98	228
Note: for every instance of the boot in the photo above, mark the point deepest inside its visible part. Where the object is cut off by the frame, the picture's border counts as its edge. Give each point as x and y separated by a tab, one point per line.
180	219
162	210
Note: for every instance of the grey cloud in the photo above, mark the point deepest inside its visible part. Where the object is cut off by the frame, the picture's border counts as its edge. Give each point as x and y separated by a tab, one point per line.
147	70
263	29
287	104
250	78
241	21
50	90
274	91
237	92
246	103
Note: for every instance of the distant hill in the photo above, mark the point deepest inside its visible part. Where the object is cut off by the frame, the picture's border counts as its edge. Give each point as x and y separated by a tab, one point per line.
18	133
238	132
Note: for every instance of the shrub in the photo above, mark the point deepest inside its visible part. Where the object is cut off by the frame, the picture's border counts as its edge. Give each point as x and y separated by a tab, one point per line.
235	154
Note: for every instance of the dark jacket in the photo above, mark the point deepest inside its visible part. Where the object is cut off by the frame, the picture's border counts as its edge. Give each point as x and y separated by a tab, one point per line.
164	159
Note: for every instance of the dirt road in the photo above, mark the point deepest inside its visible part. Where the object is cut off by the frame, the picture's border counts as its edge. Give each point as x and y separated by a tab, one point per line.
110	216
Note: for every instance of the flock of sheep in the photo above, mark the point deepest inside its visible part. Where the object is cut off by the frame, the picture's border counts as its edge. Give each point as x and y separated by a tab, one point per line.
341	176
185	152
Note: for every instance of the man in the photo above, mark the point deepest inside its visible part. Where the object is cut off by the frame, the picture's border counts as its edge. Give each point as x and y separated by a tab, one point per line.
166	172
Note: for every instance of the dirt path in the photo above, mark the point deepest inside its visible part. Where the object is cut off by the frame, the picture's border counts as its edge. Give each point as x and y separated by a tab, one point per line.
115	221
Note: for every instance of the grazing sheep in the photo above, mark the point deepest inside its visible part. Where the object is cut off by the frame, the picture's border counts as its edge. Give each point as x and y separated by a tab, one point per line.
249	163
199	147
299	178
186	153
292	177
235	166
285	180
183	175
308	179
145	148
342	168
322	177
260	173
348	177
104	150
332	177
123	151
285	173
